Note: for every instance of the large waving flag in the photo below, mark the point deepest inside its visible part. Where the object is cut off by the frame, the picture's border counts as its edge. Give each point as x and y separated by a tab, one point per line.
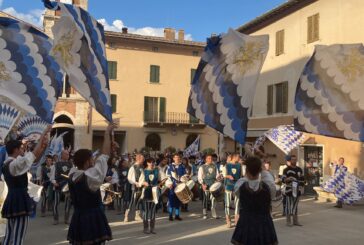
329	97
223	88
8	117
30	78
284	137
192	150
31	127
79	47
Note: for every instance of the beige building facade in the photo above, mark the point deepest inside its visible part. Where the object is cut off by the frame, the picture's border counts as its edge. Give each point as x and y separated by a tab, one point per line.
294	29
149	82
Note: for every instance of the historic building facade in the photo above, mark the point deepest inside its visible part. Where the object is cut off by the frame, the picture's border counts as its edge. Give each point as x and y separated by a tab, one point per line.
294	28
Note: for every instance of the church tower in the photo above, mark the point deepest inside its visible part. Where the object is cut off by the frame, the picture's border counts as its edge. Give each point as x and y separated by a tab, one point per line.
51	16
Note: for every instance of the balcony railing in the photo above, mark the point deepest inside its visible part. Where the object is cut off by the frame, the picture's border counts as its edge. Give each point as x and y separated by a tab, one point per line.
169	117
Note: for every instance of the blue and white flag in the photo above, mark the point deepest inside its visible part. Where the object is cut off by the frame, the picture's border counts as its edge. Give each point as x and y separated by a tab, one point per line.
79	47
56	145
346	187
259	142
285	137
224	85
329	97
31	127
8	117
30	78
193	149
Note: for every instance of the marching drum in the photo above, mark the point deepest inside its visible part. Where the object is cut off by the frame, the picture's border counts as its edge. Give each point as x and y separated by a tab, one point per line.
183	193
192	185
217	190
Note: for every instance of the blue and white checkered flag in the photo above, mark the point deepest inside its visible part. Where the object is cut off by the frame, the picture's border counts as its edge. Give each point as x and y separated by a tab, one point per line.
30	78
329	97
193	149
285	137
224	85
346	187
79	47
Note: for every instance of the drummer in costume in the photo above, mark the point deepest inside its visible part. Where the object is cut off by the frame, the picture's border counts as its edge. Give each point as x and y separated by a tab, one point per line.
175	172
46	195
60	170
232	172
255	225
207	176
294	179
18	205
89	224
134	174
150	179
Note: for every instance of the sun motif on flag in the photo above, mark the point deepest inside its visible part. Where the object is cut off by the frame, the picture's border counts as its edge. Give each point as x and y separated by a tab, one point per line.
247	55
4	73
64	46
352	66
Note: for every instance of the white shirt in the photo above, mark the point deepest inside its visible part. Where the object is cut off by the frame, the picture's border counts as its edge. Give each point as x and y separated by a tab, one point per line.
131	176
265	176
163	171
201	176
95	175
20	165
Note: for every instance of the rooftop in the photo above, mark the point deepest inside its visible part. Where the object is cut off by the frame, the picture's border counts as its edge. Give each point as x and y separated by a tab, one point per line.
154	39
274	15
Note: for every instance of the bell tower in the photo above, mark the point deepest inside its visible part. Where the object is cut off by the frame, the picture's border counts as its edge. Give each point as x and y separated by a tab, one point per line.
50	16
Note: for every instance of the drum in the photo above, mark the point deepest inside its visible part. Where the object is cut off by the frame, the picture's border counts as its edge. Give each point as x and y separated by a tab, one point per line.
217	190
168	184
184	179
190	184
183	193
195	178
193	186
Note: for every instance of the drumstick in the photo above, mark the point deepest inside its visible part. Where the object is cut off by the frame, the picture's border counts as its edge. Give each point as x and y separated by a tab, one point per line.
116	193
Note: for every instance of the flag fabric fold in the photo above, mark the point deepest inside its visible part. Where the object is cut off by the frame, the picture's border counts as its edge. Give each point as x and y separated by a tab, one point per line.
30	78
224	85
329	97
31	127
193	149
8	117
79	47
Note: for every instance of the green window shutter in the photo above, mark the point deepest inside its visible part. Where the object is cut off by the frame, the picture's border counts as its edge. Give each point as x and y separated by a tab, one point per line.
112	69
309	29
193	73
285	97
154	74
146	108
162	109
113	102
316	27
270	100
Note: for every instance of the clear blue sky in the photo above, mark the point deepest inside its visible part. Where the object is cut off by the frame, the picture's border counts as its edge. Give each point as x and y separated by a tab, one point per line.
199	18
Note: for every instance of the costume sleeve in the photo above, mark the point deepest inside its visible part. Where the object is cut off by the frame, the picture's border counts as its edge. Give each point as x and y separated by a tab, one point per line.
284	175
21	164
224	171
141	179
97	174
131	175
53	174
200	175
267	178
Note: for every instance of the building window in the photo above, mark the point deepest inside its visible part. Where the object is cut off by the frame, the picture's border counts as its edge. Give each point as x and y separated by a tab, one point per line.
279	42
277	98
193	73
154	74
113	102
153	141
190	139
155	49
195	53
112	66
313	28
154	109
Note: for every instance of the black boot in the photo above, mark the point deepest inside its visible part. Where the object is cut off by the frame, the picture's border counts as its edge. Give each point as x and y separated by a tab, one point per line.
145	230
151	227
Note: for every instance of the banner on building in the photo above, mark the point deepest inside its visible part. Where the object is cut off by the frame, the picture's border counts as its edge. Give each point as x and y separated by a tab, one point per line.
329	97
30	78
224	85
79	47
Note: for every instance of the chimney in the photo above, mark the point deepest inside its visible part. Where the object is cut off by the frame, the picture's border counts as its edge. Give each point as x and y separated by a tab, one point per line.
181	35
124	30
169	34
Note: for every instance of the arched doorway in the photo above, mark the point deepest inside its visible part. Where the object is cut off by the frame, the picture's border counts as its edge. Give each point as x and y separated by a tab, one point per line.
190	139
153	141
63	124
